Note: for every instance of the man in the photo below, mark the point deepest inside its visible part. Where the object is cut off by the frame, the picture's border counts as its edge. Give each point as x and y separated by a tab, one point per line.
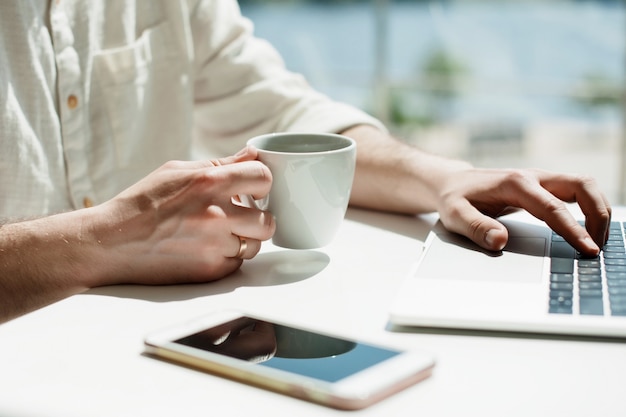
97	96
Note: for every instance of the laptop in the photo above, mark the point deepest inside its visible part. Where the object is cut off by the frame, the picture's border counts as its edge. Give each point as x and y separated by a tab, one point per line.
537	284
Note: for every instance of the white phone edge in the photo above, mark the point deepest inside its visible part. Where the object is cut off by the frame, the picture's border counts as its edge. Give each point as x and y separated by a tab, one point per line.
354	392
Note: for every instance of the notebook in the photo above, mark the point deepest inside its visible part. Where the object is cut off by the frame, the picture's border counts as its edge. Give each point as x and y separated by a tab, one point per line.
538	284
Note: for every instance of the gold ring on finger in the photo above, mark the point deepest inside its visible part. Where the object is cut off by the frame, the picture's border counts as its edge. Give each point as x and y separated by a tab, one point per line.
243	245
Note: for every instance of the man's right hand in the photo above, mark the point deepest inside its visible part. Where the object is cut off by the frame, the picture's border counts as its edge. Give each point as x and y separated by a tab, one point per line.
179	224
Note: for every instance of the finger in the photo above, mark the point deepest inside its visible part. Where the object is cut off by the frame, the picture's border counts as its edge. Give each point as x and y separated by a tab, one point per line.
226	267
204	183
243	178
465	219
543	204
606	236
593	203
597	218
252	223
245	247
248	153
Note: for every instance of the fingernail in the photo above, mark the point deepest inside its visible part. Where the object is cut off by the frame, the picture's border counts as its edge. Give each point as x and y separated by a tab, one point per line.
589	243
490	240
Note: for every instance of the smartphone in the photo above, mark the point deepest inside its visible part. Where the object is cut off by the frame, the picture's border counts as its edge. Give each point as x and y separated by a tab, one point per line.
304	363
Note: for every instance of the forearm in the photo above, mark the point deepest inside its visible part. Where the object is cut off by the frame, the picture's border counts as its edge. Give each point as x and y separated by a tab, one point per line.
176	225
394	176
41	261
38	263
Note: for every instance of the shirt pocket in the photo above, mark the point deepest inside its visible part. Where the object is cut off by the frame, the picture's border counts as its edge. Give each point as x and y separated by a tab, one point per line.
141	98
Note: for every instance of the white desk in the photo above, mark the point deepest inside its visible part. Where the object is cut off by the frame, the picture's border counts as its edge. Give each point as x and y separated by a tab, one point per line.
83	356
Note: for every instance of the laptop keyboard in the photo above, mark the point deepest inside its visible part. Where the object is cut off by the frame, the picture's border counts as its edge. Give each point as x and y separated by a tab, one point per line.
589	286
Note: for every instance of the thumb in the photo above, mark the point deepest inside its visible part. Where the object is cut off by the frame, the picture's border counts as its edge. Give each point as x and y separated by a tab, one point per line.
483	230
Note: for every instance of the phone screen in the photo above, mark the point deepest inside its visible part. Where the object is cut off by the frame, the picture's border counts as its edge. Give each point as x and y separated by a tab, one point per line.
289	349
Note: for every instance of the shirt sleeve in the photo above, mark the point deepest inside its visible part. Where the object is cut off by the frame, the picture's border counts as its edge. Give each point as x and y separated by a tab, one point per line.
242	87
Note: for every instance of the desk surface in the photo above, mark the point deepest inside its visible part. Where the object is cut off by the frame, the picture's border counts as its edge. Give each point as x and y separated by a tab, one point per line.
83	356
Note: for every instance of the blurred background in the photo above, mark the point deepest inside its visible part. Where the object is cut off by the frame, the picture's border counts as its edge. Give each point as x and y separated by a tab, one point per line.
499	83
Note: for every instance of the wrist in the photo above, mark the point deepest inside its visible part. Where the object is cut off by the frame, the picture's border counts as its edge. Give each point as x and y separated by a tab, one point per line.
42	261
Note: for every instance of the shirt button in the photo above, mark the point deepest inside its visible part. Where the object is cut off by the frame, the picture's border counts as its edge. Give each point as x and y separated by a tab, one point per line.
72	101
87	202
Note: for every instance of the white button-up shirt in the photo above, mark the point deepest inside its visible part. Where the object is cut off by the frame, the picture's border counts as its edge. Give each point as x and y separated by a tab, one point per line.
96	94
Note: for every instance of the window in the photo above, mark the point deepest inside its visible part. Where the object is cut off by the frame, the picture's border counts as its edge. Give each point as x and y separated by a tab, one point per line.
499	83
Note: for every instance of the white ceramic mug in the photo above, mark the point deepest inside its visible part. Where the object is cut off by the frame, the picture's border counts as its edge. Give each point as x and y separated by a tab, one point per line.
312	179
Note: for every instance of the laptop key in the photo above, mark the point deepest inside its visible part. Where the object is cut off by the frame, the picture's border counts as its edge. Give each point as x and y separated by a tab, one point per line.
617	301
560	310
562	265
561	302
590	293
615	275
562	250
590	285
589	271
609	248
564	294
617	291
569	268
569	278
613	255
565	286
591	306
589	263
590	278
